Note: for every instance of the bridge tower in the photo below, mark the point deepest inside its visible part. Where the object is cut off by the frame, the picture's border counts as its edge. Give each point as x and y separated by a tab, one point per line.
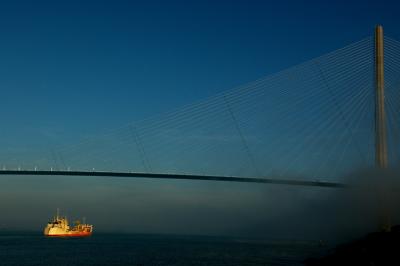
381	158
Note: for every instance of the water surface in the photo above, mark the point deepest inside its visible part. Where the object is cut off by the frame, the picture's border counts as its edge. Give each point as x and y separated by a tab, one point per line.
19	248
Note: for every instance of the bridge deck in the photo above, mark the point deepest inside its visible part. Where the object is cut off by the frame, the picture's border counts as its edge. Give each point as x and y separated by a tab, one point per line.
174	176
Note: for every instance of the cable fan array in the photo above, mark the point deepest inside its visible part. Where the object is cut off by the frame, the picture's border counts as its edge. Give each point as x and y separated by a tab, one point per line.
312	121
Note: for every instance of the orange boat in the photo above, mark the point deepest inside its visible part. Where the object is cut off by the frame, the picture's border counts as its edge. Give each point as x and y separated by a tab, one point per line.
59	227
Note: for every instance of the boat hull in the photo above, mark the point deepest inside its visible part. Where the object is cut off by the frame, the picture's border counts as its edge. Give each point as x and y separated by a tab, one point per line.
71	234
61	232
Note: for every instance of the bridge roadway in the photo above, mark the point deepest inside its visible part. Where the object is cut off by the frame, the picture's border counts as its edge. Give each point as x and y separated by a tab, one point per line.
277	181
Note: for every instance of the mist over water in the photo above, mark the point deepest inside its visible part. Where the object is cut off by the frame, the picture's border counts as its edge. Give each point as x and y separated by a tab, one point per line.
370	199
205	208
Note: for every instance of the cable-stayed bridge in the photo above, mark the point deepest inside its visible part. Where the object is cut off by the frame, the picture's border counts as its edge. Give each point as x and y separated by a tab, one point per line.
312	124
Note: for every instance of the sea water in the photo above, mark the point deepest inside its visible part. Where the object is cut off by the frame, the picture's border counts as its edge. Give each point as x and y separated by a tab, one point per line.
23	248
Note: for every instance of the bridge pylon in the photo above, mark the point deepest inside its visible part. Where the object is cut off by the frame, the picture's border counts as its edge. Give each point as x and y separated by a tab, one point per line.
381	156
380	116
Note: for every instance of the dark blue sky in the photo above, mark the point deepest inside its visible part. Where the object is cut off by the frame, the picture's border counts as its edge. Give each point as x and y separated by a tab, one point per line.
70	68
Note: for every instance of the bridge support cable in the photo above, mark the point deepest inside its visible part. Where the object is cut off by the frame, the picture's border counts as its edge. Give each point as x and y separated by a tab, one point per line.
392	98
146	165
281	120
245	146
306	121
339	110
